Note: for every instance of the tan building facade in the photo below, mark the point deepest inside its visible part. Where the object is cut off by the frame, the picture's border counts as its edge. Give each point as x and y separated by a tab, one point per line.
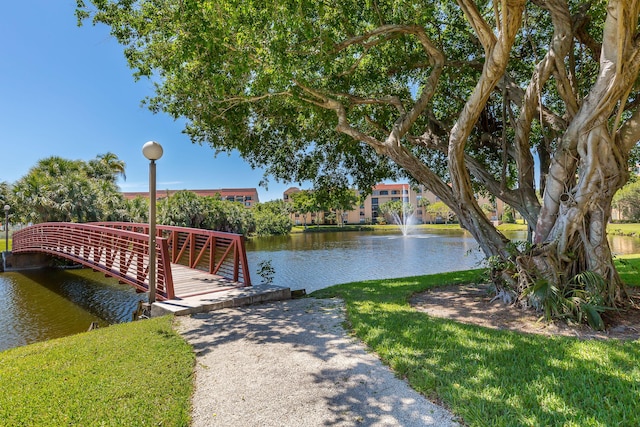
368	212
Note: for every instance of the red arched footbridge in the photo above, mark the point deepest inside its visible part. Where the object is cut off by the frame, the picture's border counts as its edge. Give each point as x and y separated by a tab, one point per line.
190	261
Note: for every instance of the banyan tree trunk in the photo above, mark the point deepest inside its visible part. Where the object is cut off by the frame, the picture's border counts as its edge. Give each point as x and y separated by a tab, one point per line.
573	239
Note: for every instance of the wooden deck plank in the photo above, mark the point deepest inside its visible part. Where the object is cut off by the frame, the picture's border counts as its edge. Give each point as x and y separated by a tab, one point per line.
188	282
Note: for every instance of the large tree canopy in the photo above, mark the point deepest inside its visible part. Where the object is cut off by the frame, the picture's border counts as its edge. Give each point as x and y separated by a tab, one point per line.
462	96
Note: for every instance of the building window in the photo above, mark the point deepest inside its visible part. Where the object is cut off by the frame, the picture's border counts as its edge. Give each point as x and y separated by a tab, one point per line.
384	192
247	198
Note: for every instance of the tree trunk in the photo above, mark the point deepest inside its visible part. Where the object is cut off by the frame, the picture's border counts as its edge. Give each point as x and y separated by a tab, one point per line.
577	241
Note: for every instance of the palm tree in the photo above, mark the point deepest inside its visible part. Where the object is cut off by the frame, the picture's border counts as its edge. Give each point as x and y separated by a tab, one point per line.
137	210
107	167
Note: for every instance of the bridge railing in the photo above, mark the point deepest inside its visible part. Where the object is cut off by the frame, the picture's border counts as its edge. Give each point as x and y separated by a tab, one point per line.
215	252
119	253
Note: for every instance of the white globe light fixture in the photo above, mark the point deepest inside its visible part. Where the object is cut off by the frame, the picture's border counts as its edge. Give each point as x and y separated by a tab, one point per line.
152	151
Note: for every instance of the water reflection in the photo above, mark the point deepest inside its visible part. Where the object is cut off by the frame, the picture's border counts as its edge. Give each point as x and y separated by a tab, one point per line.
621	245
44	304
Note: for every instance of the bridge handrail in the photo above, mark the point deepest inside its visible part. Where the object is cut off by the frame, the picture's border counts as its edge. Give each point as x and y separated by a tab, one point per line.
122	254
216	252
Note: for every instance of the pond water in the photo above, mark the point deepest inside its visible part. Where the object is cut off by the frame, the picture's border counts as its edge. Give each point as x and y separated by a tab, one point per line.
313	261
39	305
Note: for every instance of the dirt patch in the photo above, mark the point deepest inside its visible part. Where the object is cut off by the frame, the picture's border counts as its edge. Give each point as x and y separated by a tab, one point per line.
472	304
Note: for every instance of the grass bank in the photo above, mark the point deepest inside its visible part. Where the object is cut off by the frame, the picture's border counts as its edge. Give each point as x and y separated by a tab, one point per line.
490	377
616	229
624	229
393	227
133	374
3	244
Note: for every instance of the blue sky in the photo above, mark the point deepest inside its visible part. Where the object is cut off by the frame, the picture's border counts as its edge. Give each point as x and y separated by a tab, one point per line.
67	91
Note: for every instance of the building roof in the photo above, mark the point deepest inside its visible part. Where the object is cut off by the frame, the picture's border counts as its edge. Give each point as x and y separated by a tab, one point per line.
291	190
222	192
391	186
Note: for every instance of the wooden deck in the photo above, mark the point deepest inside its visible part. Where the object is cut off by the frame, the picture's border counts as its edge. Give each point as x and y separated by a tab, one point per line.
189	282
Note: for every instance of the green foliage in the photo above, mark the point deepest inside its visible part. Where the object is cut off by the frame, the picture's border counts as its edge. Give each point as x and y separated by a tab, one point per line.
5	193
580	300
508	215
627	200
187	209
184	209
304	202
3	243
397	210
137	210
206	52
396	207
490	377
266	272
272	218
629	269
57	189
332	195
133	374
442	210
254	77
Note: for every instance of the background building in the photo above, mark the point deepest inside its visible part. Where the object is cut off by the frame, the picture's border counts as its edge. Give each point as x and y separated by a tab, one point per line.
368	212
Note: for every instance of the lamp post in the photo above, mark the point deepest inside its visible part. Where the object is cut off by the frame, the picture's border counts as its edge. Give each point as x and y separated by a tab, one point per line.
6	227
152	151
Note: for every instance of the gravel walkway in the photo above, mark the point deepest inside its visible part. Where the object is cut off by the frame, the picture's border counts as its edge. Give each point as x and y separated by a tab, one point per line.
290	363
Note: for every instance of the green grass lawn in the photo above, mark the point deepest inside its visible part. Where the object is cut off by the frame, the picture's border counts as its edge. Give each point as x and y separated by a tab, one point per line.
624	229
490	377
383	227
133	374
3	245
619	229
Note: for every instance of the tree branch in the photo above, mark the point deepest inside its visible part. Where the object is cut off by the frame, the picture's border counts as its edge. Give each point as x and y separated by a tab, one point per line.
479	25
531	102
